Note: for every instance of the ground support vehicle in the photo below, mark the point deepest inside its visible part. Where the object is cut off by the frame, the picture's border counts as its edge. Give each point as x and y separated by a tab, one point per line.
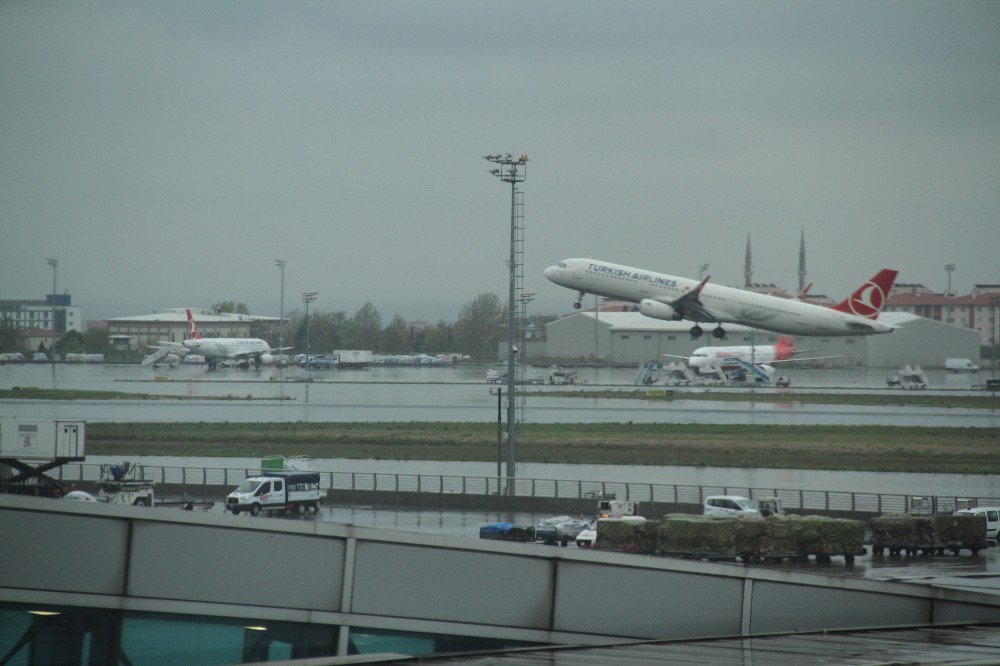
564	378
33	448
125	485
282	491
616	508
629	534
904	534
507	532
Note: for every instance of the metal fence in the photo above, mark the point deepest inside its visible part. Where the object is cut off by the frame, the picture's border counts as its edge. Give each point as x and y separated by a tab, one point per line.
816	500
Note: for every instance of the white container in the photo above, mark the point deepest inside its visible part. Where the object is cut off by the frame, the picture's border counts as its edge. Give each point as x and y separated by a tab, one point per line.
42	440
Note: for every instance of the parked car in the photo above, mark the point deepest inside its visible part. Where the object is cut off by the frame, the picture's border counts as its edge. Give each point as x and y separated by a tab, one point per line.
730	505
40	356
320	363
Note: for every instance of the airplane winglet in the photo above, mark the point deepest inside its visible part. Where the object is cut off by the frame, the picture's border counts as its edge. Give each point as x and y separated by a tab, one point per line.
702	284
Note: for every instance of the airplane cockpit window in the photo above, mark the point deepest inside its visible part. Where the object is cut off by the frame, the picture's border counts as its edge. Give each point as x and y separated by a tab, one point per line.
562	264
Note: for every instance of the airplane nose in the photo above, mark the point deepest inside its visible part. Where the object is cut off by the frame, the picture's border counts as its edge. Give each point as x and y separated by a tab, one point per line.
550	272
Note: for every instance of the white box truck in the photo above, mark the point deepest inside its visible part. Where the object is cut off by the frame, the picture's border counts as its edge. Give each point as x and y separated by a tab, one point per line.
348	359
284	491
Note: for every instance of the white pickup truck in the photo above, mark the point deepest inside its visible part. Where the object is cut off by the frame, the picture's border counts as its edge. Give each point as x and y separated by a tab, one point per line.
283	491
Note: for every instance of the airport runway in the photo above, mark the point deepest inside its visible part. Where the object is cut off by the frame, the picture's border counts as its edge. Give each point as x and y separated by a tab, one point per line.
445	394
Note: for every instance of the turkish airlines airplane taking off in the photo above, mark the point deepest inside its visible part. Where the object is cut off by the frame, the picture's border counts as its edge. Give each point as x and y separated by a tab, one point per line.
673	298
243	350
708	359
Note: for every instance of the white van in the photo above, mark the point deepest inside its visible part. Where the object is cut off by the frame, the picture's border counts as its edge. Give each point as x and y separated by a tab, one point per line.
731	505
289	490
992	514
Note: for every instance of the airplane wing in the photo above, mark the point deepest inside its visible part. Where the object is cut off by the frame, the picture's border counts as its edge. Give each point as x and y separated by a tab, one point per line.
804	358
676	356
690	307
158	355
175	347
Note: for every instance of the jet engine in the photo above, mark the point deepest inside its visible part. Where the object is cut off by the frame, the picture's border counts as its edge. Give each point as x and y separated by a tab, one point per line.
657	310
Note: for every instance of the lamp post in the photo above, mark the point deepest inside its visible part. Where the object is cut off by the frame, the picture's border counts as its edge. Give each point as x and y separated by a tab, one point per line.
511	170
993	333
499	393
525	298
949	269
54	263
307	298
280	263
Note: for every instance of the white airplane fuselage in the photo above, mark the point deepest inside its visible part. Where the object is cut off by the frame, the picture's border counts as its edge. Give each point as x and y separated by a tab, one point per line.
655	291
707	358
227	348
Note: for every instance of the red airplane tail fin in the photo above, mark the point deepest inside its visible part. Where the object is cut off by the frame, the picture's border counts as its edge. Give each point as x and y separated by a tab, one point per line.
193	332
868	300
785	348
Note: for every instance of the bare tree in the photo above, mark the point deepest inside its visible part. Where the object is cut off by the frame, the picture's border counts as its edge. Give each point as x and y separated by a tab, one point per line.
480	326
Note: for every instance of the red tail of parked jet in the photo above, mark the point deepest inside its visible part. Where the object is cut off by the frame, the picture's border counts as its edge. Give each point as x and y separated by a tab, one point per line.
868	300
193	332
785	349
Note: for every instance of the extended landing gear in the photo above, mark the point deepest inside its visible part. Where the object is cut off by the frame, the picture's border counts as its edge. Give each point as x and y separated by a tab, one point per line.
718	332
210	363
579	297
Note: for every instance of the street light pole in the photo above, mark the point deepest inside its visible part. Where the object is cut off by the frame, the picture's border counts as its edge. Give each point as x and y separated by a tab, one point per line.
280	263
993	333
307	298
511	170
949	269
54	263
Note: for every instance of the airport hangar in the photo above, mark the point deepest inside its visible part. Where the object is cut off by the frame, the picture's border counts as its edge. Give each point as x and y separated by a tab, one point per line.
136	332
632	338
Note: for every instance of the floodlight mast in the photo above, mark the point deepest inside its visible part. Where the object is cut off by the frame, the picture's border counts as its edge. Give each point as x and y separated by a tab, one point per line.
54	263
307	298
280	263
511	170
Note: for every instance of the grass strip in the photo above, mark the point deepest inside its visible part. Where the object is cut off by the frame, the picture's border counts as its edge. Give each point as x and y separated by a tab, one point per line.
884	399
34	393
854	448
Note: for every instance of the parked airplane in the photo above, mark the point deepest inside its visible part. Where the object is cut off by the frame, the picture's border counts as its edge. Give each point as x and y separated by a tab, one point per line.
708	359
243	351
673	298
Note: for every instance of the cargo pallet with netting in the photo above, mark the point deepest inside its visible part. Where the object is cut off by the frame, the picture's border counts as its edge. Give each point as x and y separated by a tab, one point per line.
773	538
905	534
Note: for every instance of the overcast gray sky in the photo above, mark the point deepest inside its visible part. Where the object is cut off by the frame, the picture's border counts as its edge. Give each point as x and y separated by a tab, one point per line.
167	152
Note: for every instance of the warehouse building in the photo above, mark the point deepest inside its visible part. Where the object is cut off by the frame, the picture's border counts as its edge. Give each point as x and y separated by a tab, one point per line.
632	338
138	331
